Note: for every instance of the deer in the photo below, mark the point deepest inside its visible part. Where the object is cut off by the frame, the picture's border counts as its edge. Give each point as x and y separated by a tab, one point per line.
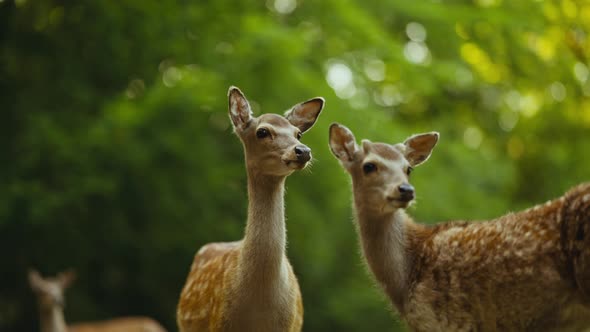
249	285
50	294
524	271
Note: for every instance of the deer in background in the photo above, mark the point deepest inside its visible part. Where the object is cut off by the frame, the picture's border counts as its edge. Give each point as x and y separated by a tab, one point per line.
249	285
525	271
51	299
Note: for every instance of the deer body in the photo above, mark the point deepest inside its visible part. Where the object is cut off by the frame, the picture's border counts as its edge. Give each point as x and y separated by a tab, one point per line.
249	285
525	271
50	295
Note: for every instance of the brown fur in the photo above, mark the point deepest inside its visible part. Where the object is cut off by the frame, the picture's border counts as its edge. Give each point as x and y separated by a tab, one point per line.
209	289
506	274
525	271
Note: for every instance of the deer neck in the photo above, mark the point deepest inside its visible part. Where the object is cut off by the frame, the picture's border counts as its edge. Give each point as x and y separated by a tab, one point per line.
263	252
52	319
384	244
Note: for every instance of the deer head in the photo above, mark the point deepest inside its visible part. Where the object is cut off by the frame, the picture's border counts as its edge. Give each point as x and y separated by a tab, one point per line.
381	172
271	141
50	291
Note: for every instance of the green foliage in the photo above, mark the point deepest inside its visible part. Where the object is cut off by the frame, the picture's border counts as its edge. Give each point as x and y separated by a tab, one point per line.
118	158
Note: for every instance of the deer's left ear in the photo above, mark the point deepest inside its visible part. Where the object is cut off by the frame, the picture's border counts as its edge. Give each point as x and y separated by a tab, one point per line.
35	280
304	115
419	147
343	144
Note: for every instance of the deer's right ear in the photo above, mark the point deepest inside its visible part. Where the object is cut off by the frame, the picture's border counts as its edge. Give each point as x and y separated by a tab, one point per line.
342	143
419	147
305	114
66	278
240	112
35	280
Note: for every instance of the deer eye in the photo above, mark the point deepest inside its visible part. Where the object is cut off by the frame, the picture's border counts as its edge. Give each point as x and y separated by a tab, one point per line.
262	133
299	135
369	168
409	170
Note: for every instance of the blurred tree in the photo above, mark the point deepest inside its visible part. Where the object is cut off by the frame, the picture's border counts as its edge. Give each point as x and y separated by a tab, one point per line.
118	159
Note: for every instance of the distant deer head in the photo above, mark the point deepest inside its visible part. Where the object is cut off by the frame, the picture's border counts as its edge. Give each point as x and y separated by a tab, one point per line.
50	291
381	171
51	297
271	142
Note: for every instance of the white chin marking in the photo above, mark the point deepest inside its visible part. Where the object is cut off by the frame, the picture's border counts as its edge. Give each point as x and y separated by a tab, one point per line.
401	204
295	165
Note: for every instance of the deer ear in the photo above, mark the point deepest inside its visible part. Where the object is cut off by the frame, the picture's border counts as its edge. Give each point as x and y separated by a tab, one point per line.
304	115
35	280
66	278
240	112
342	143
419	147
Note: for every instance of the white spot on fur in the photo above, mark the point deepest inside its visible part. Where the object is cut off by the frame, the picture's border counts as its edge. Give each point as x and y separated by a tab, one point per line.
202	313
586	198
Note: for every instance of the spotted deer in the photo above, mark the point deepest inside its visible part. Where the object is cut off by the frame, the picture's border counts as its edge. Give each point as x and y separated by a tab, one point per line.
249	285
525	271
51	299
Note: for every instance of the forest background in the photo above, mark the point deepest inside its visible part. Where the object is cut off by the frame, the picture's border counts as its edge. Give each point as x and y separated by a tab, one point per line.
117	157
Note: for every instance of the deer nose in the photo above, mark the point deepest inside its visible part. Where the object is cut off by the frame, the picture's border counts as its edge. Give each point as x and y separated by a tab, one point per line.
406	191
303	153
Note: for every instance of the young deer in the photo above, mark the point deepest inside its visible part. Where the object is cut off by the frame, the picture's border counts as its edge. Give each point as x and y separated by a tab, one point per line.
249	285
51	299
525	271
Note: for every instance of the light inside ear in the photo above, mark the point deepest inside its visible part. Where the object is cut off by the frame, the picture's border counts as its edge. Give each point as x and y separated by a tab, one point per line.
239	109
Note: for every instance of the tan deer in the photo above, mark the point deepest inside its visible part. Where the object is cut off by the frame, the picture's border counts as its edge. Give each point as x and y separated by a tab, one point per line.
51	299
249	285
525	271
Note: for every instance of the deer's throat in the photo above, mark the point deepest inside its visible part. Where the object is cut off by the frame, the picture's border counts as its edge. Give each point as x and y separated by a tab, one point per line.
263	252
384	243
52	320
